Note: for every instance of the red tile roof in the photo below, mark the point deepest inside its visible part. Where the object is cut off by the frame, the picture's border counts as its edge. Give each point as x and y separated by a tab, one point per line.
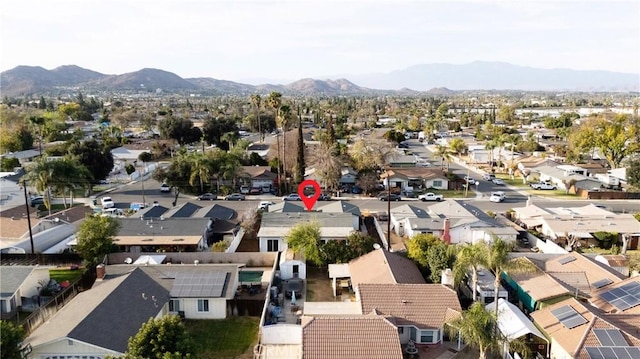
423	305
346	337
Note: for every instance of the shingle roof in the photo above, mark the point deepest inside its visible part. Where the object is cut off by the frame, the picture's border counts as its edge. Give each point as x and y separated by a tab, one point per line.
347	337
423	305
340	207
383	267
12	277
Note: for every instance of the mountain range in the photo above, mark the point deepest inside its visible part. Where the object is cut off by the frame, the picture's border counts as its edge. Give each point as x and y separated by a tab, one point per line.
427	78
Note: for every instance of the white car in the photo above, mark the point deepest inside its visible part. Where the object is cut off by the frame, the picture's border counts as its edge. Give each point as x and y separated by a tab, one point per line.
165	188
112	212
543	186
470	180
264	205
498	181
107	202
497	197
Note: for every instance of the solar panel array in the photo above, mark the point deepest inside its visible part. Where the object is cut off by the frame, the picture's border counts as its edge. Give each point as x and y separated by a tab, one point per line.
623	297
205	284
565	260
613	352
602	282
610	338
568	316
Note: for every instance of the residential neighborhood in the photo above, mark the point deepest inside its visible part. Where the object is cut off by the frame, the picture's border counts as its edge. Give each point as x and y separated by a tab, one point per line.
307	227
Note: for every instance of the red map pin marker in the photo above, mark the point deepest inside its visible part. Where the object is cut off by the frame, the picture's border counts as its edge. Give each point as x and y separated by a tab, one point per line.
310	200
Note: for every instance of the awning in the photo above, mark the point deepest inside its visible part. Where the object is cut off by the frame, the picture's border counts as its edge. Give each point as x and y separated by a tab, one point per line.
581	234
150	259
339	270
512	322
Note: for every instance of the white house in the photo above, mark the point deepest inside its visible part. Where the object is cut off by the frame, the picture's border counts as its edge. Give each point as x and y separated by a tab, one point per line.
99	321
276	226
18	283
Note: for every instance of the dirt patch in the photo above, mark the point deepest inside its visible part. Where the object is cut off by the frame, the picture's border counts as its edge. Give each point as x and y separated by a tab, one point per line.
319	286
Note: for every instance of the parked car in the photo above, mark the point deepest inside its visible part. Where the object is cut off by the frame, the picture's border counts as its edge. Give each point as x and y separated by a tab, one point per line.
470	180
264	205
383	216
324	197
112	212
165	188
430	197
498	181
497	197
234	197
255	190
543	186
292	197
107	202
294	285
208	197
36	201
488	176
390	197
245	189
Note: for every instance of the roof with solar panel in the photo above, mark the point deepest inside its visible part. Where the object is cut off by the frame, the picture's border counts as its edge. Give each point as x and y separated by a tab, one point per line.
622	297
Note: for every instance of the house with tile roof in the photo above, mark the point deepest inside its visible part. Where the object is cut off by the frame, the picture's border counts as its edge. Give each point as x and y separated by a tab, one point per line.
581	331
125	298
420	311
347	337
383	267
258	177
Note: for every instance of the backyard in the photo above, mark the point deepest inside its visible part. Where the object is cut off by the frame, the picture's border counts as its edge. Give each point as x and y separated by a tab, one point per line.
319	285
233	337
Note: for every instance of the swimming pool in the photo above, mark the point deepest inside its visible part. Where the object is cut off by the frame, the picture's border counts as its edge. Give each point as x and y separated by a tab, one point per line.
250	276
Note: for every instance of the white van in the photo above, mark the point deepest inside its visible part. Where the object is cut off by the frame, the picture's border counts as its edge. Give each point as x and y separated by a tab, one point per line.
112	212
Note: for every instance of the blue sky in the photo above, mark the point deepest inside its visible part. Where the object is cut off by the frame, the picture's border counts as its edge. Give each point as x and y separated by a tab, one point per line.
287	40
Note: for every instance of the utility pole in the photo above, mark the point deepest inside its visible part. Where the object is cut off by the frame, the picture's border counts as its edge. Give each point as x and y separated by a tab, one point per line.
26	204
388	210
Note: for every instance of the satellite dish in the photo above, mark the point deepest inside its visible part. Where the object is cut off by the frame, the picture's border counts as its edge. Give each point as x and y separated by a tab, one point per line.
376	246
128	260
196	262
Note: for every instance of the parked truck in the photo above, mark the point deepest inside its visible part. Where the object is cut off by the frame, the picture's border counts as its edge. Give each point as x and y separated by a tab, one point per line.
608	180
430	197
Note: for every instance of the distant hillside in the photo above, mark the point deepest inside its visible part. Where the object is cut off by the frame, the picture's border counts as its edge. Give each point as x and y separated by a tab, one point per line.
481	75
435	79
149	79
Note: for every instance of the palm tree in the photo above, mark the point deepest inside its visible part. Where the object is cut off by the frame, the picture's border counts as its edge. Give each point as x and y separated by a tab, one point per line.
200	169
305	238
499	261
490	146
275	101
476	327
283	121
470	256
41	175
445	155
256	100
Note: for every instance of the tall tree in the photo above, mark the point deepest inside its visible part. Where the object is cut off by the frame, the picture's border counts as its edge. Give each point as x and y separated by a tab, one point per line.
256	101
305	238
283	122
95	238
161	338
476	327
499	261
275	101
328	166
470	257
300	165
201	166
40	174
614	139
96	157
445	155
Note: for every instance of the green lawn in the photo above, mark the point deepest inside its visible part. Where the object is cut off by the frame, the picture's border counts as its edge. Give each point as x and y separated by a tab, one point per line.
60	275
224	338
